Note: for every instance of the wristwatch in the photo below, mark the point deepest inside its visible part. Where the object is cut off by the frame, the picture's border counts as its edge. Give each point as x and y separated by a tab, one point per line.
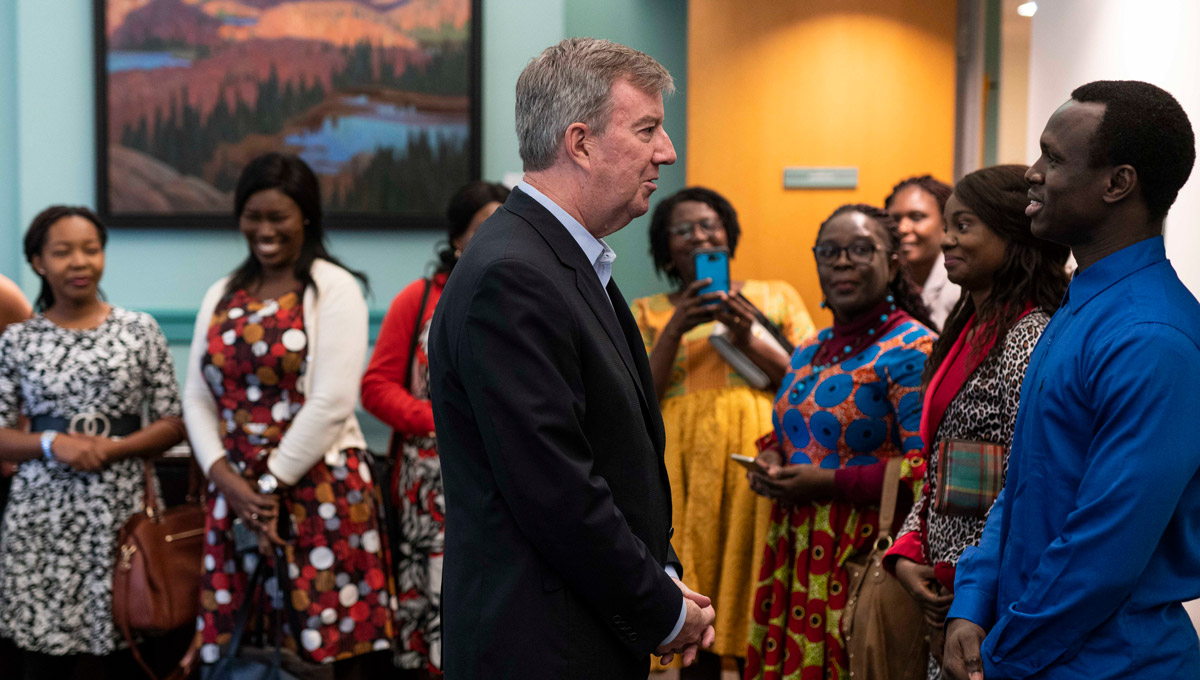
48	439
267	483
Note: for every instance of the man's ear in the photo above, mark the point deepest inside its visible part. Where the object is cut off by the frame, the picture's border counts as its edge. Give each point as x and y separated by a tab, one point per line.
1122	181
577	143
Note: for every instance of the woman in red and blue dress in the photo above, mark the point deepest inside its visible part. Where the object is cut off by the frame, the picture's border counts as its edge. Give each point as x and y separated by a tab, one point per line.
850	401
269	407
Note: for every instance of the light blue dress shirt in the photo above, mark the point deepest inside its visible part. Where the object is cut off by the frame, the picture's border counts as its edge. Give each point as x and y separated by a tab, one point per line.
601	256
1095	540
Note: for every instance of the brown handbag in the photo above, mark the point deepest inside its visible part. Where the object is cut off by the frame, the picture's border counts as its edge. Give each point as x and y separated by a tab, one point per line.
885	632
156	583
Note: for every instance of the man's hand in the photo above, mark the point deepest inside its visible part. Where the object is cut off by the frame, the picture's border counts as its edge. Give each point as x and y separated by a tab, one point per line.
962	658
922	586
697	632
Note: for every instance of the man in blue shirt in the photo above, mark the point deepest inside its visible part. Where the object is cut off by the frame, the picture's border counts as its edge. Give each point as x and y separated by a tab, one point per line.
1095	540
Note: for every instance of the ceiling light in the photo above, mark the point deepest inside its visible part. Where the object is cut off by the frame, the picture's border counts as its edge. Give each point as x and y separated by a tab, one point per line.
1027	9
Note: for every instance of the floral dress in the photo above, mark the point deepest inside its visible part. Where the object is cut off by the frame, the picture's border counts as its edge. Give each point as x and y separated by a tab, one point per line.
861	411
341	592
61	525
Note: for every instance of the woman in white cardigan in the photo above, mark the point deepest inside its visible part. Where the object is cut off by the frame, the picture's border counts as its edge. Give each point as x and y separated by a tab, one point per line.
269	404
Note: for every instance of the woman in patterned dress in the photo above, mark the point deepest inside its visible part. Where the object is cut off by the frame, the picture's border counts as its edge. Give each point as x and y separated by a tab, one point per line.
709	410
79	365
849	402
395	389
972	383
272	384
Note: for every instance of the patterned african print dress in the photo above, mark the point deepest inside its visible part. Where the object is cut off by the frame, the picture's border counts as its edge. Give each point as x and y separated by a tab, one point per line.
709	411
861	411
341	590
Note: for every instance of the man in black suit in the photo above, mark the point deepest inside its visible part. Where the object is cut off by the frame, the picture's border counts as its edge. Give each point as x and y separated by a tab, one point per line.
558	561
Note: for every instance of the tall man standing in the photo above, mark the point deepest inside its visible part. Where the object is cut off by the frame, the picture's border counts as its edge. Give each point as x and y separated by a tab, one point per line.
558	508
1095	540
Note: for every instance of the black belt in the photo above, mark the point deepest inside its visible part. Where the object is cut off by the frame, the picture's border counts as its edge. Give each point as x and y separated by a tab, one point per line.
96	424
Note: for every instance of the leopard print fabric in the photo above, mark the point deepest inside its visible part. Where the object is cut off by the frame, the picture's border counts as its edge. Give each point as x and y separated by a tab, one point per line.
985	409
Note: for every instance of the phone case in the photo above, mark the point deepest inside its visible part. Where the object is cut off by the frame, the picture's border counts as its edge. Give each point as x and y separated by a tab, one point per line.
712	263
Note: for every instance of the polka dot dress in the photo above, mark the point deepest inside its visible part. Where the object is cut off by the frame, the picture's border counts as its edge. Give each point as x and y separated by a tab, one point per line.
859	411
341	590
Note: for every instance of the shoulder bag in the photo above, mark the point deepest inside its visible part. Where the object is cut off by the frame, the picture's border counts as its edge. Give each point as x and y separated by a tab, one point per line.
883	627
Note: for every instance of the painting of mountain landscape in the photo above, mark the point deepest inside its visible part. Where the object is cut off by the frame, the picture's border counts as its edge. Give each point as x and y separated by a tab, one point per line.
378	96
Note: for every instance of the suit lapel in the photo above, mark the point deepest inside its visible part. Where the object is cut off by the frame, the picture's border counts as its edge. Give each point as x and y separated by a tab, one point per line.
570	254
633	340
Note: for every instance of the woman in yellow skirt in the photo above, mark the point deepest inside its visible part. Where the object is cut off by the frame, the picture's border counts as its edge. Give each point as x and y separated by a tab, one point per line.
710	409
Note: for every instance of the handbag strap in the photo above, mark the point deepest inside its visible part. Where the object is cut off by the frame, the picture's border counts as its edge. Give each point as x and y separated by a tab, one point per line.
412	342
149	498
887	503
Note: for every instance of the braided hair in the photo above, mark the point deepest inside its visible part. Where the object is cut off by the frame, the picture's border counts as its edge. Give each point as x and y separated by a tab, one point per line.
1033	270
902	288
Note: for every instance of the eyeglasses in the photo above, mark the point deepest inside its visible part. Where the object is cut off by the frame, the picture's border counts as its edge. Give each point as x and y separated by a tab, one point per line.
687	230
859	252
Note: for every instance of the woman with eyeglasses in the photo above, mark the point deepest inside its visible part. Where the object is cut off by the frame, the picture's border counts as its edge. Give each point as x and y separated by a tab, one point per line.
849	402
709	410
972	383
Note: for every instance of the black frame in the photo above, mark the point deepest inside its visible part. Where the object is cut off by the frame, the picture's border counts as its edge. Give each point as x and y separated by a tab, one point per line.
336	221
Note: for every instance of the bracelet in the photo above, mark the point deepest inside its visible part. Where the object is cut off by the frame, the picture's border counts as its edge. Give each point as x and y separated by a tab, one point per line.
47	439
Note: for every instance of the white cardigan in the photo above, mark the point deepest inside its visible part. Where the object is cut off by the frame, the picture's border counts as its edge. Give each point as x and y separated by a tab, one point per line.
325	425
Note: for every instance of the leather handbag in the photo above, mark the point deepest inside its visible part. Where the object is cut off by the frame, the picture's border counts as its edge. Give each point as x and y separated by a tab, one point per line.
156	582
885	632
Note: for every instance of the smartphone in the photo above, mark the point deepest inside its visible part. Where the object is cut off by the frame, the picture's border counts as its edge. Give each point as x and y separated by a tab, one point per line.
712	263
745	461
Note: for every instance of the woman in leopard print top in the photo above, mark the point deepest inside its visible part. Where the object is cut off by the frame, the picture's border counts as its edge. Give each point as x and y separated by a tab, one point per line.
972	382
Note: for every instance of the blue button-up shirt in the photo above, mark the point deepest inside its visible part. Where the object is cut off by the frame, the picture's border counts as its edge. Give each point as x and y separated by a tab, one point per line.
1095	540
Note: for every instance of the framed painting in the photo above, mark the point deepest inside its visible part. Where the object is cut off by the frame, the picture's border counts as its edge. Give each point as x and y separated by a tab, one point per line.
379	97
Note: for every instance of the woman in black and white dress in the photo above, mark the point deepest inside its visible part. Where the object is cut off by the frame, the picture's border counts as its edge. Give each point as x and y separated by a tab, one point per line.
84	373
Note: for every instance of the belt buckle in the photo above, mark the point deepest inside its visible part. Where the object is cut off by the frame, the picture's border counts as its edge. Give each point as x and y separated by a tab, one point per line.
92	424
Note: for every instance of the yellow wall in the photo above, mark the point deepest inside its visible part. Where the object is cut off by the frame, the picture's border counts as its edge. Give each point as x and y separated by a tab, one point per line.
775	83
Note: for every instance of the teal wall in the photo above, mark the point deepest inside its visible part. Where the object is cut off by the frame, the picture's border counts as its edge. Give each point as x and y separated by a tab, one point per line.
47	149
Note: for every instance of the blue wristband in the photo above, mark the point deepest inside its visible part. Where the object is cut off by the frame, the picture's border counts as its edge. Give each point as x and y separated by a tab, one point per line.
47	439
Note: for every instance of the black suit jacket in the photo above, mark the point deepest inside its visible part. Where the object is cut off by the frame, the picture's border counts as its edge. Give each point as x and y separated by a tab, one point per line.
558	508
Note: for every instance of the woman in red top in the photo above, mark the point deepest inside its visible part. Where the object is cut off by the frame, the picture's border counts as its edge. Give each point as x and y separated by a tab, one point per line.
395	389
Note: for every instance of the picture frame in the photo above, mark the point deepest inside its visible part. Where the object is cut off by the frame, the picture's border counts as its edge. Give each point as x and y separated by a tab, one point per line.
380	97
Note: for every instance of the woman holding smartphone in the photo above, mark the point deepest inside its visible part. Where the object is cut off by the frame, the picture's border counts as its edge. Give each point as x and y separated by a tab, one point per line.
709	410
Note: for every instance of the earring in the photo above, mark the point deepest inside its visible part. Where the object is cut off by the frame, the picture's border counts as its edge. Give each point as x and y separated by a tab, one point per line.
824	305
41	272
458	252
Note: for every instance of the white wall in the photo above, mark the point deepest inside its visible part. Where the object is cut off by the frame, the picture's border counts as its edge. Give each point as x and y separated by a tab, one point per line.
1078	41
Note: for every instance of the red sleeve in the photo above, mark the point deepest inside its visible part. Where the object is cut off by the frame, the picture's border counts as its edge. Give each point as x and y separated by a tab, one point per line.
908	545
861	484
383	393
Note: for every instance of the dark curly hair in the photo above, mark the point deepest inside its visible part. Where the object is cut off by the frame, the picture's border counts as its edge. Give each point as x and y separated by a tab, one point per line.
35	242
292	176
902	288
938	189
1143	126
1033	270
660	235
463	205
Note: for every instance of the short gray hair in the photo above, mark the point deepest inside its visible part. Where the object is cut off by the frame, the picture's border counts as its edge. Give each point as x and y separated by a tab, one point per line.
571	82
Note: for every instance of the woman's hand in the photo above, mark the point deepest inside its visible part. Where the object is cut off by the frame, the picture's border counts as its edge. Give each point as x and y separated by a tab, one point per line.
82	452
258	511
922	586
792	484
738	316
692	309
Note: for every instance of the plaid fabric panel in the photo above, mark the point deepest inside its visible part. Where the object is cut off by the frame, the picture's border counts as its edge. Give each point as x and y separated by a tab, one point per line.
970	475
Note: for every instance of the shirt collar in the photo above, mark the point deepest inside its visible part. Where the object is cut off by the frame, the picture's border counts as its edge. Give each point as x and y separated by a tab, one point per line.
597	251
1097	278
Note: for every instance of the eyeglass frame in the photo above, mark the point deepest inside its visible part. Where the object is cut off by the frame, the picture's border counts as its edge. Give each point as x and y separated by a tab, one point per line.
838	250
676	229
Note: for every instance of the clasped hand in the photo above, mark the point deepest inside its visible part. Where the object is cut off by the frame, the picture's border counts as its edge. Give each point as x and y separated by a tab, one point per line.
962	659
697	632
84	452
259	512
